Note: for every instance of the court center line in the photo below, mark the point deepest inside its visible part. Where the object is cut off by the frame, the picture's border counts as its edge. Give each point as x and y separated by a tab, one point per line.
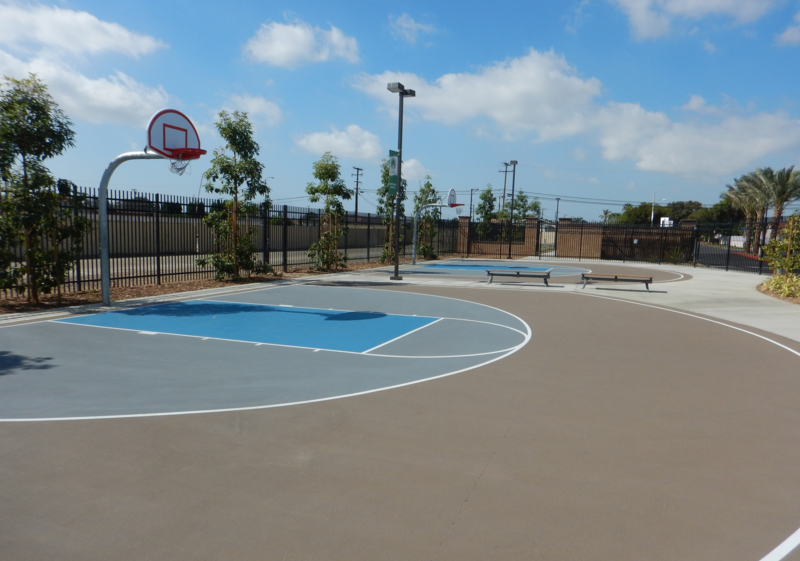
401	336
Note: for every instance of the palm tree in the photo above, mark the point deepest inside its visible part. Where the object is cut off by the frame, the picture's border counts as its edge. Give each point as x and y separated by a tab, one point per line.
748	195
783	188
606	214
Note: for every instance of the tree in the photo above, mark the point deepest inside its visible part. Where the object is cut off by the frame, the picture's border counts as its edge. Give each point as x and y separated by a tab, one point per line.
522	208
234	172
681	210
606	215
783	255
35	209
386	210
485	211
426	226
641	214
332	189
783	187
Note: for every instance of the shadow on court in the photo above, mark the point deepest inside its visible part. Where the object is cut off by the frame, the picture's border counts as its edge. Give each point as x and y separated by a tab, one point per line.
206	309
9	362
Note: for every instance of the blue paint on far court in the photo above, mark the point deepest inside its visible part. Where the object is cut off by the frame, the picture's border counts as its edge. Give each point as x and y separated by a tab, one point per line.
277	325
484	267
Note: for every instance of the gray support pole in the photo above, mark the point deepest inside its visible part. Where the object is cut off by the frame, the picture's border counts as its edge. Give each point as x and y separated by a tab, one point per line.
398	199
105	261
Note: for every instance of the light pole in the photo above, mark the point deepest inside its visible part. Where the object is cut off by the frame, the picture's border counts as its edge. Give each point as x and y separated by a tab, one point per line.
398	88
511	217
653	211
470	202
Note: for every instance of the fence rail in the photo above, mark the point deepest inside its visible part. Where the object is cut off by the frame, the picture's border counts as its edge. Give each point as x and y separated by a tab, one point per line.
156	238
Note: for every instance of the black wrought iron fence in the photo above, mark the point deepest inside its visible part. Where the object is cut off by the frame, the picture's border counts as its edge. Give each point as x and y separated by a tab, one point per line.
155	239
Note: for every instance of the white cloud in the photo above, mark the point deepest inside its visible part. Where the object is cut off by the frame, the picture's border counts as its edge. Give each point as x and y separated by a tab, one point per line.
405	28
791	36
709	46
257	107
116	98
538	91
413	170
70	31
578	154
541	94
352	142
291	44
697	104
576	19
652	18
658	144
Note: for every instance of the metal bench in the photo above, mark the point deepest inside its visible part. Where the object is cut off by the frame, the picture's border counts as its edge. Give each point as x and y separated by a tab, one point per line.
544	275
586	277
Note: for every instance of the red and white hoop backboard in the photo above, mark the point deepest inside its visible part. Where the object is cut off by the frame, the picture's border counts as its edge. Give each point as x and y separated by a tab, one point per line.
452	201
171	134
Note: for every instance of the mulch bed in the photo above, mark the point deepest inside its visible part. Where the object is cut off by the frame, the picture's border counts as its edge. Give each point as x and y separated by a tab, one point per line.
764	290
50	301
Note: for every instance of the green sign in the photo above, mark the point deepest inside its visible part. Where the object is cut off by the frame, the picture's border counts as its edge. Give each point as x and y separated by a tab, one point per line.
393	157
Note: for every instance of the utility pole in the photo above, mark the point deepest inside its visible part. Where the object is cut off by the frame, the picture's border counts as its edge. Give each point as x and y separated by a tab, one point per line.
505	177
358	176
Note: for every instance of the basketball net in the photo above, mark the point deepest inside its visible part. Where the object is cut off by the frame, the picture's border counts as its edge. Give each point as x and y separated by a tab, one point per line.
178	166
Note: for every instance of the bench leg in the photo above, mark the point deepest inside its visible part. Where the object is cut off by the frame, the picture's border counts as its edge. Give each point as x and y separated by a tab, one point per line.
490	279
584	282
647	286
545	281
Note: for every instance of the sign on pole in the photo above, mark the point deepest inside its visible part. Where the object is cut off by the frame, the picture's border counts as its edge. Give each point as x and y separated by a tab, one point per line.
393	173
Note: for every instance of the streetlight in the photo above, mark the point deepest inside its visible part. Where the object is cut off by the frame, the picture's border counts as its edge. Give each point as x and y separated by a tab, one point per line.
653	211
511	217
398	88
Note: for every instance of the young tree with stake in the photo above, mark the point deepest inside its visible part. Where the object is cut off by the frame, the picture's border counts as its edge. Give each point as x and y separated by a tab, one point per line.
235	172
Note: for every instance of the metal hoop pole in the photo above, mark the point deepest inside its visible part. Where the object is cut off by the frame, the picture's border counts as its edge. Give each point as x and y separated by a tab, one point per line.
105	260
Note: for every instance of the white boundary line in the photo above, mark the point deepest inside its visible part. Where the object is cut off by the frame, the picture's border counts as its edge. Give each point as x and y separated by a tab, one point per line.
315	349
511	351
401	336
785	548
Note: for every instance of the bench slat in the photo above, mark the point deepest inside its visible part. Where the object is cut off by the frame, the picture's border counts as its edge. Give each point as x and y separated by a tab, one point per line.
544	275
617	278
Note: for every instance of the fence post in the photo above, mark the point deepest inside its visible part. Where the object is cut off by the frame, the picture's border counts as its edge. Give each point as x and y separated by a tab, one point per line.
695	246
157	216
285	236
74	216
580	243
369	223
264	233
345	236
405	232
728	256
555	241
661	246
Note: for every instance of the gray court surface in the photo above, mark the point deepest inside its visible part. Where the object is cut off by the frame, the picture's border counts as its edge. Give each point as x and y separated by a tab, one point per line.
59	370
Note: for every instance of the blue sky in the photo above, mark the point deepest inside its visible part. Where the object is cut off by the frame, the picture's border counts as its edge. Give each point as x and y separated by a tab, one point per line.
613	100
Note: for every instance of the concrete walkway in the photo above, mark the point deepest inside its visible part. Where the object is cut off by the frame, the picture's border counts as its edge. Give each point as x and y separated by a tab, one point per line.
726	295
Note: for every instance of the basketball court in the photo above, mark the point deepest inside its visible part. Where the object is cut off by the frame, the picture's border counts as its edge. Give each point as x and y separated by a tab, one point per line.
350	417
435	417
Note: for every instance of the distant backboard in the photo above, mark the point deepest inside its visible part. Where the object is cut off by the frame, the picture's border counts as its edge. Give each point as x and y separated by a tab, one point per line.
171	134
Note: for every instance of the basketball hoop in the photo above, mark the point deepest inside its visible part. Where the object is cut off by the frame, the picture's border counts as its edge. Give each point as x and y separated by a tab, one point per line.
452	202
182	157
171	134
